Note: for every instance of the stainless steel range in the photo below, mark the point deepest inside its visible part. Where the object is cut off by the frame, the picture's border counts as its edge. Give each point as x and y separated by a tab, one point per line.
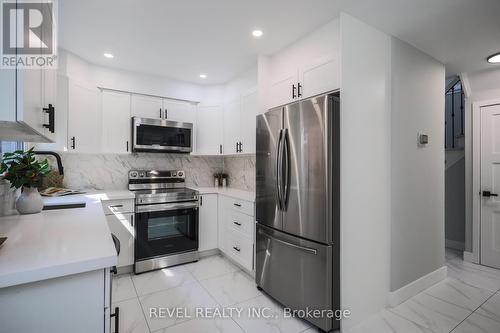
166	214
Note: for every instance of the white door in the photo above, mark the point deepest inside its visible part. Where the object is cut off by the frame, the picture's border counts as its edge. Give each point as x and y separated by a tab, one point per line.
147	106
320	77
282	89
84	118
490	181
231	126
209	128
122	226
208	222
116	122
247	121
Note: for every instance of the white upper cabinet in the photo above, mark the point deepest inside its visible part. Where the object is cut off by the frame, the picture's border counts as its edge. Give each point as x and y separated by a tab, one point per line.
147	106
209	131
248	113
84	118
283	88
49	103
306	68
30	98
232	127
319	77
179	111
116	122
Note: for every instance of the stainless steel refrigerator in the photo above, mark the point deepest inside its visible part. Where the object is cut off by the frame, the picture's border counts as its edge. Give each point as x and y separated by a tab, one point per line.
297	205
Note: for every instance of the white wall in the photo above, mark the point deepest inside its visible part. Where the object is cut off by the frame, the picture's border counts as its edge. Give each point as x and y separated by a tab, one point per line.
76	68
365	169
484	85
417	176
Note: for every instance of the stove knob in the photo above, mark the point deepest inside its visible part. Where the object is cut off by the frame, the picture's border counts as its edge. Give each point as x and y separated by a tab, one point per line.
180	173
133	174
142	174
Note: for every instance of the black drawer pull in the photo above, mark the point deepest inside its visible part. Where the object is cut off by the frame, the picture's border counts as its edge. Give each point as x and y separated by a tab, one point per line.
237	248
116	315
237	204
489	194
237	223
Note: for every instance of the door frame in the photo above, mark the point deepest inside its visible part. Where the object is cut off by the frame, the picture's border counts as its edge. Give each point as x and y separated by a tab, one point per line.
475	255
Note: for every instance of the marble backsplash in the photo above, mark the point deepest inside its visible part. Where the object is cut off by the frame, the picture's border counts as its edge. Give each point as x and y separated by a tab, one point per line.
241	171
110	171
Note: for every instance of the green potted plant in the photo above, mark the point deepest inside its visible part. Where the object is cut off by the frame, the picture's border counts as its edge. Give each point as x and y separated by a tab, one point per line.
23	170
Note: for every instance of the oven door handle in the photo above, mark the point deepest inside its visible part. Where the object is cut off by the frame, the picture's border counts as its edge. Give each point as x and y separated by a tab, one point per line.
165	207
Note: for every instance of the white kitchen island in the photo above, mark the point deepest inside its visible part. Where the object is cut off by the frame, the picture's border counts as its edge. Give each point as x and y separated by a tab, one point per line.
55	269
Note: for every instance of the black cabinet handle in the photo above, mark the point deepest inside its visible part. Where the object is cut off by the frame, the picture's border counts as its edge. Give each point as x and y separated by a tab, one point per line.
166	113
73	143
241	147
488	194
51	112
237	147
237	204
220	149
201	200
160	114
236	248
293	91
237	223
127	145
116	315
299	90
132	220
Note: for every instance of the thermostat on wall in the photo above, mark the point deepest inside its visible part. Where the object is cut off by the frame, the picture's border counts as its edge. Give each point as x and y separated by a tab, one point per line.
423	139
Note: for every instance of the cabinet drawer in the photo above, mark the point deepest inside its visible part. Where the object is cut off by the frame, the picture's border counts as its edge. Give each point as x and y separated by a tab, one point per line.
118	206
240	222
245	207
240	249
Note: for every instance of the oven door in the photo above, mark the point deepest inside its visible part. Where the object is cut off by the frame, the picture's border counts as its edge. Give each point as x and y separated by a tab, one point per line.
162	135
165	229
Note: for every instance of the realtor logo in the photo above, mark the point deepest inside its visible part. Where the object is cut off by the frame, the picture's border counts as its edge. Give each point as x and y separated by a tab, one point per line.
28	34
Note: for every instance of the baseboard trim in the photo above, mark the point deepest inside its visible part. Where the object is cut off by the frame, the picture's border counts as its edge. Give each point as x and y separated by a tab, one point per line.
414	288
470	257
452	244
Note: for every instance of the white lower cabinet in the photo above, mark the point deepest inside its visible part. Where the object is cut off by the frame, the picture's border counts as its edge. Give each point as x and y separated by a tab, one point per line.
208	217
75	303
120	218
236	230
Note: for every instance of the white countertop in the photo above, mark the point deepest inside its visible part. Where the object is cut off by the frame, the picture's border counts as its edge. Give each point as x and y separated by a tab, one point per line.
228	191
56	243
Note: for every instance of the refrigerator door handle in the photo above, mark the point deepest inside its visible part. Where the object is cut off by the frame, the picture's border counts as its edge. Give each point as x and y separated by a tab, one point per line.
307	249
286	160
278	171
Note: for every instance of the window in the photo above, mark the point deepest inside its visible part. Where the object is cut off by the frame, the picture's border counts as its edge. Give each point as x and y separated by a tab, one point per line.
9	146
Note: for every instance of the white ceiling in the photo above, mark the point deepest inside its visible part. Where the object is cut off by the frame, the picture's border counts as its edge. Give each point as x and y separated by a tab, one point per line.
184	38
181	39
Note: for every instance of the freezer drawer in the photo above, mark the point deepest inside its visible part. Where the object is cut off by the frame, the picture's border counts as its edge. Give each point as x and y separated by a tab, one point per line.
297	273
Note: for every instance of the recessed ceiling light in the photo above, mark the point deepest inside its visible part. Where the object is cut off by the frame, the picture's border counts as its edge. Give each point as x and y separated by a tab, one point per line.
494	59
257	33
109	55
203	76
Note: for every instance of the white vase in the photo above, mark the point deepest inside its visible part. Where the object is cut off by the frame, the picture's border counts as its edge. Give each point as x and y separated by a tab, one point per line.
30	201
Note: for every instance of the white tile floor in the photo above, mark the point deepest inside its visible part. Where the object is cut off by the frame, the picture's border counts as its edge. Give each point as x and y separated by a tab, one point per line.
468	301
211	282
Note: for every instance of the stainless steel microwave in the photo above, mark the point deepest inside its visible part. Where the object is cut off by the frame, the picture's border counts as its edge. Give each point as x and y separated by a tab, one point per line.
161	136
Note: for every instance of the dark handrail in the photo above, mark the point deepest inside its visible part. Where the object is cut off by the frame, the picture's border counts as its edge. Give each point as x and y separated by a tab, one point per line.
56	155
